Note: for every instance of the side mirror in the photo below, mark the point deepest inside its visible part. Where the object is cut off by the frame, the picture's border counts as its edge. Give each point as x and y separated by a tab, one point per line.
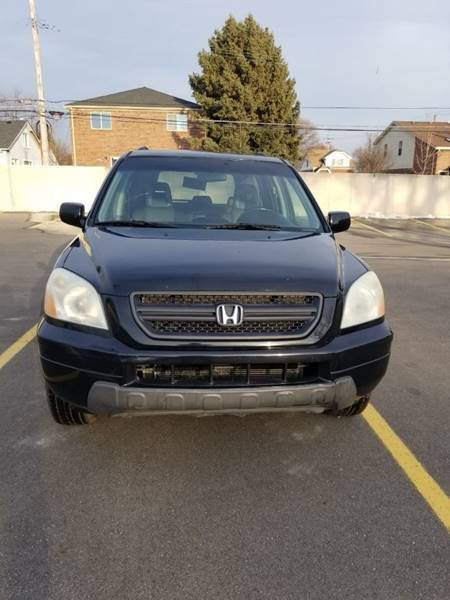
72	214
339	221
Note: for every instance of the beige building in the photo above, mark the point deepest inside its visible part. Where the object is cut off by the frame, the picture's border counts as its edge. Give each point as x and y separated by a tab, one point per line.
105	127
416	147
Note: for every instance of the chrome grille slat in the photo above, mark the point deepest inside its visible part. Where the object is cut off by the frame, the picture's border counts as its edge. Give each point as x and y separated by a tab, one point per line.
193	315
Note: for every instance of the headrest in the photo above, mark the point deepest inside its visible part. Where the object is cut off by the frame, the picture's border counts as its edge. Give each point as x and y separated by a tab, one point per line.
161	194
201	202
246	196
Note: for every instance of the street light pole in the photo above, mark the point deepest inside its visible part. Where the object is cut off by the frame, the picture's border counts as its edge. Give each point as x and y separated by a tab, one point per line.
40	85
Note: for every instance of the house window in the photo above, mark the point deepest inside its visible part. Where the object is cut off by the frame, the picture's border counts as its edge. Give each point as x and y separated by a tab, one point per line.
14	161
385	151
28	163
177	122
400	148
26	139
101	120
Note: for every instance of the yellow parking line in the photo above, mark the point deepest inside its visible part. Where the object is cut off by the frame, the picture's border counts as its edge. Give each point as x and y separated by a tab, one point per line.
419	477
18	345
427	487
373	228
433	226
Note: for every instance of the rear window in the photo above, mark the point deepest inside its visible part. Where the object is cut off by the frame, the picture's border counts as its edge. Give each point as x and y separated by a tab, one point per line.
205	192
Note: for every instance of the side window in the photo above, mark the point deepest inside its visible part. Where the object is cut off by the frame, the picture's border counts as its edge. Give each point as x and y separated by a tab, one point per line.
101	120
279	198
177	122
297	207
300	209
400	148
115	203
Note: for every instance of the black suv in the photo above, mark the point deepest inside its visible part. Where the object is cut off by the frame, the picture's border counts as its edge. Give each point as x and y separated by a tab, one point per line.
209	284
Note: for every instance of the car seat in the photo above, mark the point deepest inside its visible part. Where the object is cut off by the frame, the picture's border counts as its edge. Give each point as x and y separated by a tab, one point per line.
156	205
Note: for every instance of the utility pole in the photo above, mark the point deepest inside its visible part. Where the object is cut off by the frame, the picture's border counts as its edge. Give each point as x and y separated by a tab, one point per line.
40	85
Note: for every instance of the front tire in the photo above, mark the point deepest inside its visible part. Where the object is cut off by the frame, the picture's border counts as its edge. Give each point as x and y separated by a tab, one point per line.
355	409
66	414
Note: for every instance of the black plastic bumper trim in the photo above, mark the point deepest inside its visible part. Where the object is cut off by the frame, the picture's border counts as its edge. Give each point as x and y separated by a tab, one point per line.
364	364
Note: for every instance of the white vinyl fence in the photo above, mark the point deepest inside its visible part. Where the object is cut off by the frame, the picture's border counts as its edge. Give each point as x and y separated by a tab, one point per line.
43	189
362	194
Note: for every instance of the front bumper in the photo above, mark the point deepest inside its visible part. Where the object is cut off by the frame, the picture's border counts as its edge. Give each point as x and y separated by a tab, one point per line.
98	374
110	398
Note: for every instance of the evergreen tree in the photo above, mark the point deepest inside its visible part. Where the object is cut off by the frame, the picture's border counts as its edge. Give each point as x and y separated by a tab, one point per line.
245	78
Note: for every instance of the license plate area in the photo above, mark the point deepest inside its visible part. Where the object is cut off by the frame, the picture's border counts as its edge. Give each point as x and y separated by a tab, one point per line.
226	375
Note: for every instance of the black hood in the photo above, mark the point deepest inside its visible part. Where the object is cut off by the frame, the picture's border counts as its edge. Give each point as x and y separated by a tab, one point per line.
122	260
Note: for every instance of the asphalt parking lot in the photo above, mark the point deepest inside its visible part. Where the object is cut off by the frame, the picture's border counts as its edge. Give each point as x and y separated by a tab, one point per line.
265	507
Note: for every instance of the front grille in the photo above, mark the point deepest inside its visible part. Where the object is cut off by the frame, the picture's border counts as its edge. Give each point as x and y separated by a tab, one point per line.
253	374
193	316
208	328
188	299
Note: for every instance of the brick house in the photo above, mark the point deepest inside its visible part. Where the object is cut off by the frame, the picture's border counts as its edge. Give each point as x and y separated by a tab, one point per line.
418	147
105	127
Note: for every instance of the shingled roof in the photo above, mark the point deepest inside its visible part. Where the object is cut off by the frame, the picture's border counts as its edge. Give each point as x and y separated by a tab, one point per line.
435	133
138	97
9	130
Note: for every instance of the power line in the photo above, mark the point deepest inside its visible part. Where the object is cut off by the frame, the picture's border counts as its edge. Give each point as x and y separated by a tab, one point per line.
303	106
440	108
233	123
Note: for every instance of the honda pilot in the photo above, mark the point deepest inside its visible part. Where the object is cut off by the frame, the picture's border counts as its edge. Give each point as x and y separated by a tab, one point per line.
209	284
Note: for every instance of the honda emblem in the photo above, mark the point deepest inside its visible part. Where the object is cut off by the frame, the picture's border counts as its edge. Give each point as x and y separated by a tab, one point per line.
229	315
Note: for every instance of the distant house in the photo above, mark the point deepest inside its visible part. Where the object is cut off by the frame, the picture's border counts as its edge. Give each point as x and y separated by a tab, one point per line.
417	147
322	158
313	157
19	144
105	127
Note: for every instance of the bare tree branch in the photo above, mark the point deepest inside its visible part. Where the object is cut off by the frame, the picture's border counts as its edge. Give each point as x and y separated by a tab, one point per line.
308	138
371	158
424	157
14	105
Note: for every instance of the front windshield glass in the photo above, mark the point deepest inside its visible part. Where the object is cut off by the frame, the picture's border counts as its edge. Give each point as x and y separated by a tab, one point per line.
210	192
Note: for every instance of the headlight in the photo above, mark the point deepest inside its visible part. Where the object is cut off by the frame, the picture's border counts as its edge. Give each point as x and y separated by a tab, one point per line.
71	298
364	301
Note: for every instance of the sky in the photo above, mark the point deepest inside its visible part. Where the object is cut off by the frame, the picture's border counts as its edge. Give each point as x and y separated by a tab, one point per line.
385	53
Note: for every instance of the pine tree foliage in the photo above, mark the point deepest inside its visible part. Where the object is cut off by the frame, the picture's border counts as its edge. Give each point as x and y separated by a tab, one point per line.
245	78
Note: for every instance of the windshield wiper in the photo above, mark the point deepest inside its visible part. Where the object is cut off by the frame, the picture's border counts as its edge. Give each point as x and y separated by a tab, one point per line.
248	226
134	223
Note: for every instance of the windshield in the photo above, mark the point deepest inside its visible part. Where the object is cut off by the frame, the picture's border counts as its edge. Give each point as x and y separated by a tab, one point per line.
207	192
